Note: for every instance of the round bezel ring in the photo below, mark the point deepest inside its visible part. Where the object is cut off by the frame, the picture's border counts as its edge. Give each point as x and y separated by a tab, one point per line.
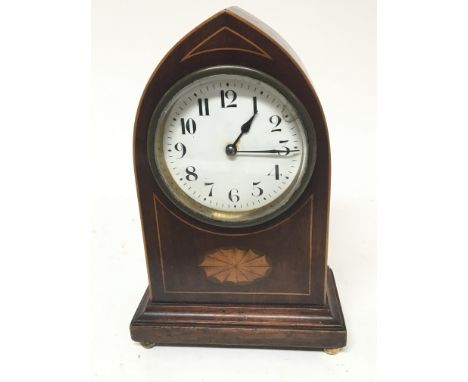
213	216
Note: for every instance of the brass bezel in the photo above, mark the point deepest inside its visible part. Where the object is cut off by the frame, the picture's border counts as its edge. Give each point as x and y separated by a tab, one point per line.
213	216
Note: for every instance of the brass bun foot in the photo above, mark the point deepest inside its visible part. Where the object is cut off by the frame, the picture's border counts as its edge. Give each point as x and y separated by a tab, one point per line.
332	351
148	345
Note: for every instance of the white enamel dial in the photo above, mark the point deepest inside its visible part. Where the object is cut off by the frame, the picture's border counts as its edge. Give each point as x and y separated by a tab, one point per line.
231	147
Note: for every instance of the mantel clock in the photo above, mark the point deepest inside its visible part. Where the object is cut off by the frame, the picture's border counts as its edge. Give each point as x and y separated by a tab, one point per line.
232	165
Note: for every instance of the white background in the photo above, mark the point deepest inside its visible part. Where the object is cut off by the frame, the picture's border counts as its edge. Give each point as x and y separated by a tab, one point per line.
72	257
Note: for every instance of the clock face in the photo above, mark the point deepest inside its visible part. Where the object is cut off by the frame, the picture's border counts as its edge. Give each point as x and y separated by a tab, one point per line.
230	147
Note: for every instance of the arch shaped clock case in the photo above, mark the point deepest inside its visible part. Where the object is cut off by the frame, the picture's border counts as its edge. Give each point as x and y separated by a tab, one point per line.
233	282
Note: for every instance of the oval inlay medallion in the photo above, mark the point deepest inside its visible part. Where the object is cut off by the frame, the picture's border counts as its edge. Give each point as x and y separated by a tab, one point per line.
235	266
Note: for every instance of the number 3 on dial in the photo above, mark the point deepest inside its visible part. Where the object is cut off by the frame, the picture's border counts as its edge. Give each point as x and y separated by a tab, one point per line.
231	147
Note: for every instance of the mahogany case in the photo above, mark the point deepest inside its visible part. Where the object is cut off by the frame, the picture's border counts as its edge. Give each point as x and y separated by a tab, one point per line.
293	301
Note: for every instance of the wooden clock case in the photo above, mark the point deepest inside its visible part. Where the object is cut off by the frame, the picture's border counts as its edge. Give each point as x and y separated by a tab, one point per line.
295	304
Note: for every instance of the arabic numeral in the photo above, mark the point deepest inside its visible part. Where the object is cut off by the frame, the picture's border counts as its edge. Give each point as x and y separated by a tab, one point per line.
230	96
285	148
188	126
275	172
275	120
191	174
233	195
257	191
203	108
181	148
211	188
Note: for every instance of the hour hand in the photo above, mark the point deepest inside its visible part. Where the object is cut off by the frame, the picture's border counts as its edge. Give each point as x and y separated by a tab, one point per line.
245	128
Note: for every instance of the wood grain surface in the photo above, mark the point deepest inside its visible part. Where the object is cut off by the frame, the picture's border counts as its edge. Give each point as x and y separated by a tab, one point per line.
295	242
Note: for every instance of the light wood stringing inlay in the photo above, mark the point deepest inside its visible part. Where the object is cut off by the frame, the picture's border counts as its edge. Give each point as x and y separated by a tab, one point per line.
254	48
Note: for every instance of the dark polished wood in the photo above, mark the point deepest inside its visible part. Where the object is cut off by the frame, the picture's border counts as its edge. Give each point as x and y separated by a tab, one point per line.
294	243
301	327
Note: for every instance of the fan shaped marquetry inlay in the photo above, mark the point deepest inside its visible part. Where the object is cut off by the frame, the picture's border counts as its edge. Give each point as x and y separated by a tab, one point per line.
235	266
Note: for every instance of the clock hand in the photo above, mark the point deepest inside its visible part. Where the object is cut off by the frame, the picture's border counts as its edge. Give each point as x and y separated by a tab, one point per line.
268	151
231	149
245	129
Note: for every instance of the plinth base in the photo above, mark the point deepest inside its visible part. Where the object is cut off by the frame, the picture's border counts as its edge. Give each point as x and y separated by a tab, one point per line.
264	326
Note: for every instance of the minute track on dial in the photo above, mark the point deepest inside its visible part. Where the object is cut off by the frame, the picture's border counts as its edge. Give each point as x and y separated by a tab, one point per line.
208	180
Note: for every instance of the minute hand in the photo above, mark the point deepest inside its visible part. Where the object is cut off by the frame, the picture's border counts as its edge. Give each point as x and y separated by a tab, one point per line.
268	151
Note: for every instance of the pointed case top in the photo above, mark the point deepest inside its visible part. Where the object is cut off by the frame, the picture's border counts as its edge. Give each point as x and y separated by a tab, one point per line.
226	39
232	37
